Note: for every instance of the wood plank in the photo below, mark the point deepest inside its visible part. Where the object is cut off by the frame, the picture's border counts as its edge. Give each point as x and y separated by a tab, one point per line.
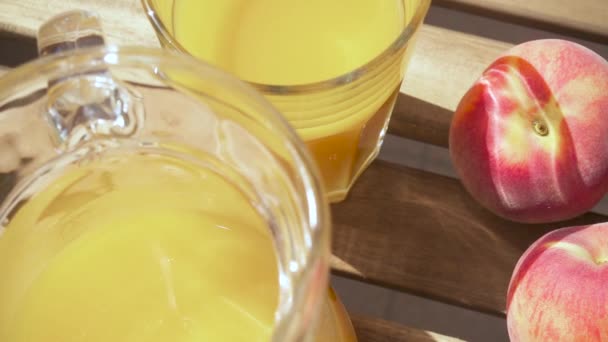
427	101
585	19
377	330
422	233
124	21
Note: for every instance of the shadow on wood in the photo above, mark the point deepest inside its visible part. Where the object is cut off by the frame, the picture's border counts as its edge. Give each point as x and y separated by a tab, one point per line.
420	120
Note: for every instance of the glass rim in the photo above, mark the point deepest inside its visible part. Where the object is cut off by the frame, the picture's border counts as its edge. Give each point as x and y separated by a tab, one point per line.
400	41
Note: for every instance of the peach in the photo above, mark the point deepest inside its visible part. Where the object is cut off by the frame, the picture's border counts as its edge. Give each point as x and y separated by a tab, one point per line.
558	290
529	140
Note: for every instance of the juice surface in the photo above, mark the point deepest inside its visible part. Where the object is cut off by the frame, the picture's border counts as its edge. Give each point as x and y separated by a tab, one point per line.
144	248
287	42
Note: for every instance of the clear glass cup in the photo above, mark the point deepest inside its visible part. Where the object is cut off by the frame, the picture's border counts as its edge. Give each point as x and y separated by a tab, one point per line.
334	68
114	162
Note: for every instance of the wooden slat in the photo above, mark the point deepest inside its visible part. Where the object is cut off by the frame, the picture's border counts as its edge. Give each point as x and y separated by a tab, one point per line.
422	233
586	19
124	21
445	64
376	330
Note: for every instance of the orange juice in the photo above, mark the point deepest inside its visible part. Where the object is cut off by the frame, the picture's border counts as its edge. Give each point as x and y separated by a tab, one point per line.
291	49
137	249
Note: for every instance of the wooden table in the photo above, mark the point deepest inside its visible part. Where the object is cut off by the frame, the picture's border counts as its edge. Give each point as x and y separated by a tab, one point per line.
402	228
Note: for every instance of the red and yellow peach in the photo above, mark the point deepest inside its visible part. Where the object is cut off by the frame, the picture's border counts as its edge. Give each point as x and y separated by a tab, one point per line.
558	291
529	140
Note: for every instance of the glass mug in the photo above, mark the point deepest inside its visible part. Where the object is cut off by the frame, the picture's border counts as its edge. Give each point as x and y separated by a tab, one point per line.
146	196
333	68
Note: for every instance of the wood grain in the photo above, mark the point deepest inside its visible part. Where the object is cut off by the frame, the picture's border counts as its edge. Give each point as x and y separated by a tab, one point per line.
421	233
586	19
377	330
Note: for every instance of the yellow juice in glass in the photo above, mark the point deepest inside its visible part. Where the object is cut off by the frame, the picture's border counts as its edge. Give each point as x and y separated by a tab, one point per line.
139	248
308	58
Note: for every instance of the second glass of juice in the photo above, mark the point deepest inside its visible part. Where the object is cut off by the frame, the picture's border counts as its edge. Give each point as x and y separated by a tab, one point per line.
333	68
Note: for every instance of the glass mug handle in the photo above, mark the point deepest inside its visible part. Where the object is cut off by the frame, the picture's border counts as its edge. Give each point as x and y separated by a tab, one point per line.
88	102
